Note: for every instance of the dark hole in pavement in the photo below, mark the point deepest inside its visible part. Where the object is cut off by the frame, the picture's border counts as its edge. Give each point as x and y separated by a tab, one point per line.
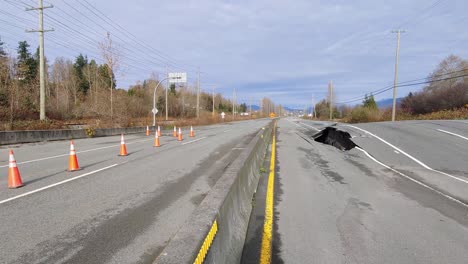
337	138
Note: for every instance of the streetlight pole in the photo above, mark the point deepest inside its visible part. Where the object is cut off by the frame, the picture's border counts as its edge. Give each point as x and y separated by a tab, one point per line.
167	84
154	100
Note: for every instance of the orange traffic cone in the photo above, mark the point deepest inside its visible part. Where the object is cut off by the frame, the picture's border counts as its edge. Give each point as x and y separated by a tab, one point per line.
159	131
14	178
147	131
175	132
192	133
179	138
73	160
156	140
123	148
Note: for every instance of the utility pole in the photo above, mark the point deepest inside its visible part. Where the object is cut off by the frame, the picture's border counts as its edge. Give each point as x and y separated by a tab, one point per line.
198	93
41	30
250	107
395	81
330	88
313	107
235	102
213	100
167	87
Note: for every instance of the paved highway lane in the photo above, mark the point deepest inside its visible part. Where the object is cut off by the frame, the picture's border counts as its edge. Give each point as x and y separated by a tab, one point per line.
336	206
123	209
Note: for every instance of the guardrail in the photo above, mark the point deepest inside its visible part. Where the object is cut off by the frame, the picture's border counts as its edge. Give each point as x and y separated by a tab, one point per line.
216	231
30	136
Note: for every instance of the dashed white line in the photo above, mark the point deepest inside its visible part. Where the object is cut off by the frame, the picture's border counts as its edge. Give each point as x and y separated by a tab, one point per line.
409	156
56	184
413	180
83	151
193	141
303	124
453	134
309	126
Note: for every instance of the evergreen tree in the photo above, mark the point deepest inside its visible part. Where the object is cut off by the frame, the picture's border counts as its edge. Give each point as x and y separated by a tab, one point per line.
2	51
243	107
369	102
104	74
80	64
172	89
27	64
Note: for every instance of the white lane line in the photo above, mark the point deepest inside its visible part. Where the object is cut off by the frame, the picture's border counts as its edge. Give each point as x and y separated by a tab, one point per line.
56	184
453	134
193	141
226	130
63	155
28	161
309	126
295	123
413	180
409	156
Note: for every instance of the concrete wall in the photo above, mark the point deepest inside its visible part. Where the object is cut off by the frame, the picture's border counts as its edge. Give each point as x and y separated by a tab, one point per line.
230	204
28	136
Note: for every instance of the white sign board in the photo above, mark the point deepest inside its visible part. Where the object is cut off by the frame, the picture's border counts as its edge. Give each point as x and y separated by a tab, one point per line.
177	77
222	115
154	111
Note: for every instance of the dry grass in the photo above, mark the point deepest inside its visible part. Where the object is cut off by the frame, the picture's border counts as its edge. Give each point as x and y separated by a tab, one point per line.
362	115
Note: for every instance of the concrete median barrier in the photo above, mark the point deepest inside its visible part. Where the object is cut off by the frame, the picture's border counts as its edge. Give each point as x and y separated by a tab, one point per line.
30	136
216	231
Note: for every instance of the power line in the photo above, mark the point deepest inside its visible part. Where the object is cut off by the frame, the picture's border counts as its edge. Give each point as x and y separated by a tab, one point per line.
134	38
86	40
406	85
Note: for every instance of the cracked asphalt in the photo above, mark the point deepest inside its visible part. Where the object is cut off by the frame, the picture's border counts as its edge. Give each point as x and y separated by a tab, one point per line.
375	204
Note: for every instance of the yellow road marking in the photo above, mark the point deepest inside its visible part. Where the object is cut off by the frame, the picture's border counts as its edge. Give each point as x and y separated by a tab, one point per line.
265	253
207	243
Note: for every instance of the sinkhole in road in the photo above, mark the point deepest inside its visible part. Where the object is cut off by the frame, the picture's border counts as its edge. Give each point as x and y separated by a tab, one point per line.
337	138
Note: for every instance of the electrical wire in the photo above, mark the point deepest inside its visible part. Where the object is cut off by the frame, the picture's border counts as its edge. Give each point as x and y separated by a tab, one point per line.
406	85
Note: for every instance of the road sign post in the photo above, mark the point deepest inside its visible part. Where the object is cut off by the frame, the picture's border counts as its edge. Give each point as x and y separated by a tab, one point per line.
180	77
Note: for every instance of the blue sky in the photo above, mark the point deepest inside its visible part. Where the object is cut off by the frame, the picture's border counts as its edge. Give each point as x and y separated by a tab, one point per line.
286	50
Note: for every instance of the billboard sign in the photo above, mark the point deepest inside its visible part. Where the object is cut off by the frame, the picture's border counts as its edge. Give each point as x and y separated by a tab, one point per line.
177	77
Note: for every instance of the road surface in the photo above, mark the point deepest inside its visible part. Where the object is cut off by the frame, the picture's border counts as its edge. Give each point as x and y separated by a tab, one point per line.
401	197
116	209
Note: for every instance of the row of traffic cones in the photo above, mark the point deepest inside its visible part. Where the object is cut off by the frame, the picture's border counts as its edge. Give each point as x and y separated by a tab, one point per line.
14	178
175	134
158	131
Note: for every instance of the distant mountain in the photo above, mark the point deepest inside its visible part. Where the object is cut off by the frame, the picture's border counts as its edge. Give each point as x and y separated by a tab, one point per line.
386	103
255	107
290	109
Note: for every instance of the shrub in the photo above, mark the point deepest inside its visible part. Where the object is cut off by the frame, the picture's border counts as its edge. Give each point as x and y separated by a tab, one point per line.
90	132
363	114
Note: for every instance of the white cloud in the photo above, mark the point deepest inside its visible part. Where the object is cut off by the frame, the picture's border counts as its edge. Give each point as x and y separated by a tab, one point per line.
299	43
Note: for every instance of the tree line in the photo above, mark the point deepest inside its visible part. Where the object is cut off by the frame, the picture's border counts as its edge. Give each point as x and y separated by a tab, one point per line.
85	89
446	89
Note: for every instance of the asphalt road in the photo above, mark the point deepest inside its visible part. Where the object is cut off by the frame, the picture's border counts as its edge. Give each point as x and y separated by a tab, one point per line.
116	209
401	197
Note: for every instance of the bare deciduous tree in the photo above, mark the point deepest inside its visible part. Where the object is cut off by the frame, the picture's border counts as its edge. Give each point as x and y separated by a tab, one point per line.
111	58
